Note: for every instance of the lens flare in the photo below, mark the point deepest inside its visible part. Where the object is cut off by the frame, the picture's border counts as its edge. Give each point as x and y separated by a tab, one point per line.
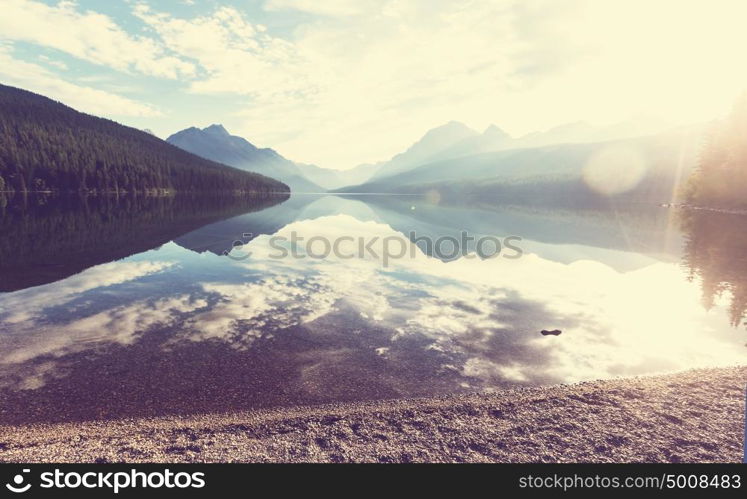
614	170
433	196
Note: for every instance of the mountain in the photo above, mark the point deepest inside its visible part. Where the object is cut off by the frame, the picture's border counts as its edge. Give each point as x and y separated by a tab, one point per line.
455	140
47	146
215	143
451	140
581	132
492	139
424	150
644	169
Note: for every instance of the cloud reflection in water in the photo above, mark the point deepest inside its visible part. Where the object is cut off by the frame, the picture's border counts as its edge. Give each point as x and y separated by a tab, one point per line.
195	333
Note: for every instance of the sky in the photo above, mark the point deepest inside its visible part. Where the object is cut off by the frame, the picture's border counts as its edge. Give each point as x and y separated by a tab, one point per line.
343	82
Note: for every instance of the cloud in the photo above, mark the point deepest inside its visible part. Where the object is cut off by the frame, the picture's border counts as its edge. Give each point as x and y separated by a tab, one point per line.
89	36
362	67
35	78
235	55
342	82
358	81
326	8
53	62
379	64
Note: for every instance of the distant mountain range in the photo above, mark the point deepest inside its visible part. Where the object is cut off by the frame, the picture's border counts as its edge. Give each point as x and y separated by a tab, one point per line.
649	169
449	141
216	143
47	146
455	140
39	152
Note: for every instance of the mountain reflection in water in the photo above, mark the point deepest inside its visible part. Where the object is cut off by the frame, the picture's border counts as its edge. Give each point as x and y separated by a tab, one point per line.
182	329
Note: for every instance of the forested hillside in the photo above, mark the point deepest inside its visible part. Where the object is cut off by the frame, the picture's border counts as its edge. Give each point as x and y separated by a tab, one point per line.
721	178
47	146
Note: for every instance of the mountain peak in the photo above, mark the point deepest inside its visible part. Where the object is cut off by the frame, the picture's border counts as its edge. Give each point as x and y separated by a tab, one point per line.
217	129
217	144
449	132
495	131
454	126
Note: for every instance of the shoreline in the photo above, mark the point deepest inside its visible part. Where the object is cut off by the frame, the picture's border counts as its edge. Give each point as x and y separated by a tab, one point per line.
690	416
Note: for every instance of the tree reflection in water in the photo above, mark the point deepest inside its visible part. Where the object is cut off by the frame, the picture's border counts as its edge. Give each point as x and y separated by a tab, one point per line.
716	254
48	238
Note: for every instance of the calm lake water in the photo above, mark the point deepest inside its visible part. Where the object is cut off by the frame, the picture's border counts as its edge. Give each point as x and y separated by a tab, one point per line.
118	308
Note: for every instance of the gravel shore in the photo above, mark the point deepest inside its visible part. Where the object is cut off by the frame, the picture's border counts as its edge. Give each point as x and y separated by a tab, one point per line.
693	416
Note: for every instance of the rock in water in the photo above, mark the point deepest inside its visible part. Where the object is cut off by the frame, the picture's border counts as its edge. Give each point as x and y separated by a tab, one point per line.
554	332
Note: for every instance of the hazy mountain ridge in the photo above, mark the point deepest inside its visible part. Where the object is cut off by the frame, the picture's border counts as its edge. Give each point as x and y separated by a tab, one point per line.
455	140
558	172
433	142
215	143
449	141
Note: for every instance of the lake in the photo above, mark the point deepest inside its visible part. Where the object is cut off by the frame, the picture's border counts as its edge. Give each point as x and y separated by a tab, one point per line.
113	308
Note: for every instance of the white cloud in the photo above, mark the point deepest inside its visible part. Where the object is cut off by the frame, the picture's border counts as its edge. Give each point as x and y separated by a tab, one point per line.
53	62
35	78
357	80
236	55
326	8
360	81
411	64
88	36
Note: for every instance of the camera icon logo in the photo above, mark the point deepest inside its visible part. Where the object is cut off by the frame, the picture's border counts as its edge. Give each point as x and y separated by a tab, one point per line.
17	485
